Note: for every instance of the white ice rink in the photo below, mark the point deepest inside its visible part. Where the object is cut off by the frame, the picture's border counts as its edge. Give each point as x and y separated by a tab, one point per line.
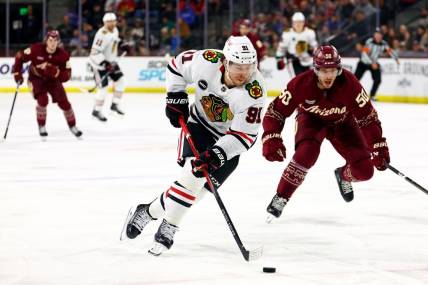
63	202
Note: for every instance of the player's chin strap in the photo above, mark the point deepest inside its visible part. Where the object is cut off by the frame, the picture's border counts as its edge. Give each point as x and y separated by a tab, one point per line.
396	171
248	255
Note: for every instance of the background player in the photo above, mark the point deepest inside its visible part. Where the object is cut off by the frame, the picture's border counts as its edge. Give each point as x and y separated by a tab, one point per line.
296	45
374	47
331	104
103	59
224	121
49	68
245	30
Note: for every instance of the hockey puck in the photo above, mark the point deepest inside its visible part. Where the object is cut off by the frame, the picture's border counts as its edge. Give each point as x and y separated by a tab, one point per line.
269	269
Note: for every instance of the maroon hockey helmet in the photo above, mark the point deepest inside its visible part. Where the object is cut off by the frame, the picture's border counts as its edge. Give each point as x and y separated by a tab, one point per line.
246	23
327	56
52	34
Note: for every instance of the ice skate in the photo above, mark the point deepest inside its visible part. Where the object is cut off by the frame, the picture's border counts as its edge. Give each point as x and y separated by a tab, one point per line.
43	133
275	207
345	187
98	115
75	131
164	238
136	221
116	110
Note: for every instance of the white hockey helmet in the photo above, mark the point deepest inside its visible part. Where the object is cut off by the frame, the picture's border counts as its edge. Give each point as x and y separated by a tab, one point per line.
109	16
298	16
240	50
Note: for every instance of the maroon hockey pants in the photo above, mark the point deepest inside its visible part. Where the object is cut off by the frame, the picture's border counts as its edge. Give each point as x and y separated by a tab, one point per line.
346	138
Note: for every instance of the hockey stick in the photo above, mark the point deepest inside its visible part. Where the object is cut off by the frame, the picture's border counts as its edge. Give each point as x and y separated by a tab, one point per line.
11	110
248	255
92	89
396	171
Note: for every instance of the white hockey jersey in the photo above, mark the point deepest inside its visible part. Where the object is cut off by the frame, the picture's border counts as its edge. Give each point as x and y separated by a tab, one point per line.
104	47
231	115
298	45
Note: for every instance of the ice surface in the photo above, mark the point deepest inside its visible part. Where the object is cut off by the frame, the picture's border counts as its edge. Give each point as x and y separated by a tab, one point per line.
63	203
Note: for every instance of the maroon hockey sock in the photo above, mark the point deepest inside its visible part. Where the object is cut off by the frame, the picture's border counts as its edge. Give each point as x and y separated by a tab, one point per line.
69	116
41	115
291	178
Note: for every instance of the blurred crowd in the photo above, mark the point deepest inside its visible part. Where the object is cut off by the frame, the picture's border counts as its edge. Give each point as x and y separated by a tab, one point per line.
340	22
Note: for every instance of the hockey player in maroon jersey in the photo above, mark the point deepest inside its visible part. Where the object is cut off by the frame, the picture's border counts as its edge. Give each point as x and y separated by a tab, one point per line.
49	69
245	30
331	104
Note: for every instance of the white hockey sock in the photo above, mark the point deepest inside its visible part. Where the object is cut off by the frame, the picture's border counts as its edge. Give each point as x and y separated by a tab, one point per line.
117	96
177	200
99	98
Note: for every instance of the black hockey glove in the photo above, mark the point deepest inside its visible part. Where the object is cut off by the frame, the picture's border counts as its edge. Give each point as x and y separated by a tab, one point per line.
210	160
109	66
177	104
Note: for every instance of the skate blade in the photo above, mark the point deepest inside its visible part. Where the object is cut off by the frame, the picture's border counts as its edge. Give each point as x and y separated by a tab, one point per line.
123	235
157	249
270	218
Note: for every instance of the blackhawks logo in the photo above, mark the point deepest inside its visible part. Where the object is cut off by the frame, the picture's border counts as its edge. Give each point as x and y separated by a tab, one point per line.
212	55
216	109
254	89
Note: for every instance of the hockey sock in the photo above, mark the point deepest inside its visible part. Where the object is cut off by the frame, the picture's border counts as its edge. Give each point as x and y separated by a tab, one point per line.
361	170
69	116
117	96
99	98
41	115
291	178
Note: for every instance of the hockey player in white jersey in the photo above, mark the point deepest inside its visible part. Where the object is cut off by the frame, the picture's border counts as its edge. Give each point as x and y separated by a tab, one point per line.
103	59
223	120
296	45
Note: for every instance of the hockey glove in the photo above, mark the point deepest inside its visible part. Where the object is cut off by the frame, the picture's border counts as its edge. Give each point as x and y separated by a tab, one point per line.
177	104
273	147
109	66
280	63
210	160
50	71
380	154
18	78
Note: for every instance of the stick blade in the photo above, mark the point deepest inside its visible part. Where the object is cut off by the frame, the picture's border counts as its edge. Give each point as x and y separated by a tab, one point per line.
251	255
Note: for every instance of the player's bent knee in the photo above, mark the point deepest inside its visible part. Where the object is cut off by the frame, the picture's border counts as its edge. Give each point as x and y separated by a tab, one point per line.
362	170
42	99
64	105
307	152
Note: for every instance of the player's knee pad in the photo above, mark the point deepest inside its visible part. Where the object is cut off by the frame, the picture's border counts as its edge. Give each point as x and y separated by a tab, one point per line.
119	85
42	99
101	94
362	170
64	105
307	152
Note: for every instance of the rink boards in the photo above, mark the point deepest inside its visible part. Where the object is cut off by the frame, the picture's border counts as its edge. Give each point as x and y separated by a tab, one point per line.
406	82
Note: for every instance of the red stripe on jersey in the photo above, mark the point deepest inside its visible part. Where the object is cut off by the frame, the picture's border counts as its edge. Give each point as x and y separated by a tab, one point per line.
173	63
242	135
181	193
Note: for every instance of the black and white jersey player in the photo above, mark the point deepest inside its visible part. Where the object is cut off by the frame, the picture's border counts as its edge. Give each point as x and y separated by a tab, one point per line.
296	45
223	120
103	60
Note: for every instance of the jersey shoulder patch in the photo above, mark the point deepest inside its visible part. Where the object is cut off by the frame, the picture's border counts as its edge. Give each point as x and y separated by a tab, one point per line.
254	89
212	55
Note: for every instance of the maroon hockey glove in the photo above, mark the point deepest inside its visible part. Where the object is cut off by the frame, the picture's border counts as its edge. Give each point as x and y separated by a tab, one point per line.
273	147
280	63
18	78
50	71
380	154
177	105
210	160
